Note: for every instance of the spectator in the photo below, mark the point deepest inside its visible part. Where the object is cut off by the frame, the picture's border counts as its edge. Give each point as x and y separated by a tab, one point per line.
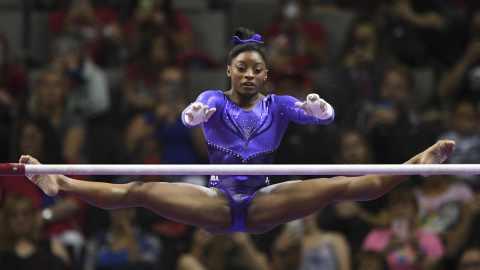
292	39
150	16
463	129
21	246
61	216
354	148
395	130
412	30
404	244
318	249
155	54
49	98
461	81
123	245
96	24
446	208
286	248
13	92
322	249
358	73
89	95
233	252
179	145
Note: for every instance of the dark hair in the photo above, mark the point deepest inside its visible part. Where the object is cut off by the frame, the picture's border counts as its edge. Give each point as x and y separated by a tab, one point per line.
146	46
382	51
51	145
236	48
363	137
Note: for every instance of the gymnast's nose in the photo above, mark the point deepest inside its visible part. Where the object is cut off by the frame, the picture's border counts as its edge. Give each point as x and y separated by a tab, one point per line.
249	74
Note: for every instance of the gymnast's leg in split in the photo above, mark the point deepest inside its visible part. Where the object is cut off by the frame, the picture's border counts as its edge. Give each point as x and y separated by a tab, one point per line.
284	202
209	208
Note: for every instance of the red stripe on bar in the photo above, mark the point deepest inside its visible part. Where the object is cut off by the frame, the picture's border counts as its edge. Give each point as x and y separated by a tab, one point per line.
17	169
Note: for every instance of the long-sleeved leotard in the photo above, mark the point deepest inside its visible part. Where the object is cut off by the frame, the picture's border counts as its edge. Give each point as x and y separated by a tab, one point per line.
236	136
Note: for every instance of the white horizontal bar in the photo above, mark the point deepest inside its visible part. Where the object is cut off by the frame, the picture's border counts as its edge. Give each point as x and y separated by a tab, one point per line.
252	169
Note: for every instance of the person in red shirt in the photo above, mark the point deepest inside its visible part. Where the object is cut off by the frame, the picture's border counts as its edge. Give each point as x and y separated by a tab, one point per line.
154	55
96	24
293	40
151	16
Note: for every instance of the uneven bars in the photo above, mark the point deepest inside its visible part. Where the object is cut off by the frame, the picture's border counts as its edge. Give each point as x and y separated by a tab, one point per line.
20	169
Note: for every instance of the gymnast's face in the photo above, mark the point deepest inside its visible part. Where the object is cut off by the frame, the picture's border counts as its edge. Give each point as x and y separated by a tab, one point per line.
248	72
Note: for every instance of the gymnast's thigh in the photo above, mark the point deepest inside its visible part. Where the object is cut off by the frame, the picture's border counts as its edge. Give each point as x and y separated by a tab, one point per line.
280	203
196	205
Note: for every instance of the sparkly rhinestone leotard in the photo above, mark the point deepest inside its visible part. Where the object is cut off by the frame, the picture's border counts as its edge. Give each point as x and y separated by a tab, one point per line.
236	136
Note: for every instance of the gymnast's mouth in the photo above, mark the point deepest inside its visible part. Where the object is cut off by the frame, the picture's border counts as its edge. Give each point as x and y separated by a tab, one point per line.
248	84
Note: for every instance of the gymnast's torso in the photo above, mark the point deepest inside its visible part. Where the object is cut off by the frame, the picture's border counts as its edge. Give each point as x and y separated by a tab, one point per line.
236	136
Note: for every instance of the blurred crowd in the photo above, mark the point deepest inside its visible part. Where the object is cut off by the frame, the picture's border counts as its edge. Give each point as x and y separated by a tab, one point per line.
400	75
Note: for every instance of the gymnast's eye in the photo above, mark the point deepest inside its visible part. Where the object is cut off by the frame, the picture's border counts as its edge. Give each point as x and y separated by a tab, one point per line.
240	68
258	70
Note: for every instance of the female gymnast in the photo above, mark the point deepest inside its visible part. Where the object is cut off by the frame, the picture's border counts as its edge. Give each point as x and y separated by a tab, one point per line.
243	127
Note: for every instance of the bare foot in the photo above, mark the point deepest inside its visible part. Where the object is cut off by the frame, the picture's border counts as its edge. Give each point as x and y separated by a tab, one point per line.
437	153
48	183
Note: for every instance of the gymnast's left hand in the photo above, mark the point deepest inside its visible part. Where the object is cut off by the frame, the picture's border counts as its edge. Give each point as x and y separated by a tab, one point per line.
316	106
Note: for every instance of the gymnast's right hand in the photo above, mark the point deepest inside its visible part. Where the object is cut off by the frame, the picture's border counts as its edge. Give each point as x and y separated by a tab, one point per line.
198	113
48	183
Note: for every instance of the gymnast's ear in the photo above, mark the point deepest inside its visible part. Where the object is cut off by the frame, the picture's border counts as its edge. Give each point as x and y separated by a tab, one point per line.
229	71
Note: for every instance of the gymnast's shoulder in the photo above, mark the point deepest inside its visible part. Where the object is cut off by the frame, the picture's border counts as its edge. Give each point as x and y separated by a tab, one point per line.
211	94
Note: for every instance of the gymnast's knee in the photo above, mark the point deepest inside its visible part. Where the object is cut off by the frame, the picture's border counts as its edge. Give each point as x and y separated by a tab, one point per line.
137	191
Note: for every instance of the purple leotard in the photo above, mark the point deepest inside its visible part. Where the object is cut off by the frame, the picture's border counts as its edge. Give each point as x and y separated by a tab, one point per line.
236	136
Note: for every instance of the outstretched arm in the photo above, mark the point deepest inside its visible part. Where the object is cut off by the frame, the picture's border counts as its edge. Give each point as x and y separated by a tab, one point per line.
202	109
313	110
450	82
